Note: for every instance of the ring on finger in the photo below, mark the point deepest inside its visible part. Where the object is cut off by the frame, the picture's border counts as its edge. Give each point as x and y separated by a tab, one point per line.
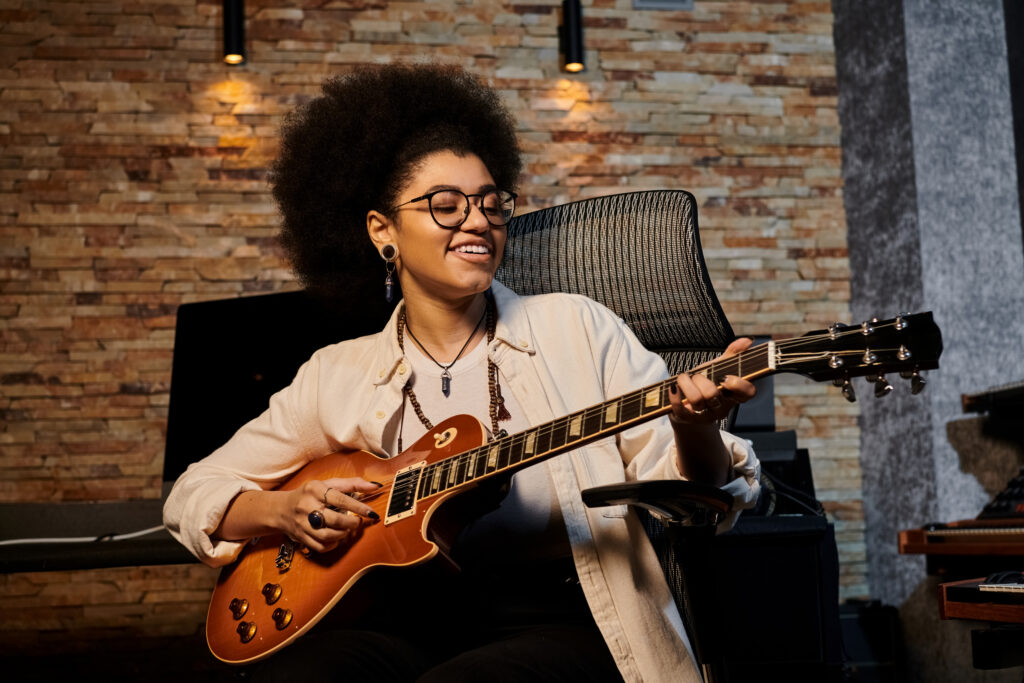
326	491
316	519
699	412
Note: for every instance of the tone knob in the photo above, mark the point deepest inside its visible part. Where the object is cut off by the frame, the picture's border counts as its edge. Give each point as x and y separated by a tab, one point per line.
239	607
246	630
282	617
272	592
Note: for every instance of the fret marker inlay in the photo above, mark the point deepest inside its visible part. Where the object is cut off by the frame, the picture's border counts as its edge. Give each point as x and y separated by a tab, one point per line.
653	398
611	413
574	426
530	438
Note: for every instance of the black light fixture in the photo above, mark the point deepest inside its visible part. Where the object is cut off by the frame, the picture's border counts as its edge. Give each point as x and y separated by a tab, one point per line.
572	36
234	32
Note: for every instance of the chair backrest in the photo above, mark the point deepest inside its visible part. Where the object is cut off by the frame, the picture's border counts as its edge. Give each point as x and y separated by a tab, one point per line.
637	253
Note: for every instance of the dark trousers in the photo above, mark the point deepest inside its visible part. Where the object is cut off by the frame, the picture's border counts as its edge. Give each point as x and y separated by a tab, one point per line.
477	627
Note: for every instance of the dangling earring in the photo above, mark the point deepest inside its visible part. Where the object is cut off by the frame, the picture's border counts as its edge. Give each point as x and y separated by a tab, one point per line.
389	253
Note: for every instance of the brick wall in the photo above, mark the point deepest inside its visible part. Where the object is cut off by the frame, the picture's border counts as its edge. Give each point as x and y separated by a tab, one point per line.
132	180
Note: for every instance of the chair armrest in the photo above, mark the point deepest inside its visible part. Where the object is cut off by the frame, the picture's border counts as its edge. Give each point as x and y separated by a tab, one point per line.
672	501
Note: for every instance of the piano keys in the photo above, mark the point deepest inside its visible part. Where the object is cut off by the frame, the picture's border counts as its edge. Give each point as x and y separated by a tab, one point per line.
967	537
975	599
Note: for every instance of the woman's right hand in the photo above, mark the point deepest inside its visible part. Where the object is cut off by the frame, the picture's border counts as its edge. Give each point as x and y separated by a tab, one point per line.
336	500
337	503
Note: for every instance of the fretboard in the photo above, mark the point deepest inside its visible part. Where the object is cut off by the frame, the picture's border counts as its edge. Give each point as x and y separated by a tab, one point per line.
510	453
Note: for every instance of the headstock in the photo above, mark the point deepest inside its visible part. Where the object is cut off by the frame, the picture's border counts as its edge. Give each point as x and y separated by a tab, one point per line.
906	344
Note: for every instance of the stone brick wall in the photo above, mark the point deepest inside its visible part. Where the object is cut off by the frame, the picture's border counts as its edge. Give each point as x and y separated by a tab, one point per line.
132	180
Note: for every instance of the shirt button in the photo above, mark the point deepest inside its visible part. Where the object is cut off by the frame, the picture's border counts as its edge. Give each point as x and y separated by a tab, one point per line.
380	414
524	343
380	373
402	368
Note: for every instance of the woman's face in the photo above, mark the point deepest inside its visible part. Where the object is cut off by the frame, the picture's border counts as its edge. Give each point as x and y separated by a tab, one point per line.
440	263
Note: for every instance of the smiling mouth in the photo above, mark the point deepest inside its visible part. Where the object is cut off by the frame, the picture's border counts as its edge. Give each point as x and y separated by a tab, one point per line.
472	249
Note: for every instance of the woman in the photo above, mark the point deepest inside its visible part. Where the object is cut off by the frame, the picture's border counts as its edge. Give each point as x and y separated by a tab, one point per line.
414	167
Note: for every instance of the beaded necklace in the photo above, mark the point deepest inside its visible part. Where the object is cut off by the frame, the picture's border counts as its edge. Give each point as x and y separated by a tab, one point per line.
497	409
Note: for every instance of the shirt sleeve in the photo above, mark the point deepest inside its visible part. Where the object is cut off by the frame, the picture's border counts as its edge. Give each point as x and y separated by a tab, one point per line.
260	455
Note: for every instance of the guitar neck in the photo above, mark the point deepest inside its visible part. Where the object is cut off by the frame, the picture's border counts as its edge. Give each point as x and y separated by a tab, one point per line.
508	454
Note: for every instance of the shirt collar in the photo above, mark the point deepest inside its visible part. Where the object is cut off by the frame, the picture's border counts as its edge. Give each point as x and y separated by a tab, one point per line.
512	330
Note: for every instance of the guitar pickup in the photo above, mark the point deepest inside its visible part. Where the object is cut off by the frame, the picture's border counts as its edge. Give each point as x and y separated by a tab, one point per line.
402	502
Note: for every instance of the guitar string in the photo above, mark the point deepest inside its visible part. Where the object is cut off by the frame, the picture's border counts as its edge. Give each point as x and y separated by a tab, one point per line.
713	368
624	404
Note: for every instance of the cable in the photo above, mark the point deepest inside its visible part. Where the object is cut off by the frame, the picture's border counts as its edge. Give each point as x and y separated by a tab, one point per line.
796	496
85	539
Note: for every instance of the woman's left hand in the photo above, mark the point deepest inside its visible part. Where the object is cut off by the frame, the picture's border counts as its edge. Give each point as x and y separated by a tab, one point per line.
697	401
697	407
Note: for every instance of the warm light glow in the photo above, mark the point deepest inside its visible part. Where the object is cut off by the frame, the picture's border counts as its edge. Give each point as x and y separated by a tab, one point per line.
234	59
574	67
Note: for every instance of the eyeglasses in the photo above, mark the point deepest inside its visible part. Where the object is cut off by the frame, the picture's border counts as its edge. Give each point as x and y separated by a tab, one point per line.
450	208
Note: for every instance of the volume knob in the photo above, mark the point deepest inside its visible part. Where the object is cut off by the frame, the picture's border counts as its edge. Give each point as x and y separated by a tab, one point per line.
239	607
246	630
282	617
272	592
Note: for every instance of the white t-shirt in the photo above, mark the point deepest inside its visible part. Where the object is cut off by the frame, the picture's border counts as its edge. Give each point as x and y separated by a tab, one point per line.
528	524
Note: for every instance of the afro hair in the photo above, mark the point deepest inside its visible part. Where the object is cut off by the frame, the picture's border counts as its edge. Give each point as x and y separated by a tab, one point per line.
353	149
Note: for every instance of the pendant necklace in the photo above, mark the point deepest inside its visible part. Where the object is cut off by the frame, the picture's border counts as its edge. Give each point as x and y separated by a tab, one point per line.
446	376
496	407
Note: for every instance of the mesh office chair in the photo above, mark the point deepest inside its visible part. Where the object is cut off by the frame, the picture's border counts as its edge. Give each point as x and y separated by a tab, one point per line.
640	255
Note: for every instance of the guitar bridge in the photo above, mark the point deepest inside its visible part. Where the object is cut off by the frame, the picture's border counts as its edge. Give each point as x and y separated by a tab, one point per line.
283	561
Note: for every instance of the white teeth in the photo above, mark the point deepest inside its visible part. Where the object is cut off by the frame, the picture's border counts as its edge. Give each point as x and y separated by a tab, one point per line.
473	249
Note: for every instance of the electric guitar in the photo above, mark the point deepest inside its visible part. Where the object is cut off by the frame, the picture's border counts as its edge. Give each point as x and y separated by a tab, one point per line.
276	592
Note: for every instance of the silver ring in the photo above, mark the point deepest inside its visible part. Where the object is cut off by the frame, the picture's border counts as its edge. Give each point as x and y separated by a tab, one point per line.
699	412
316	519
329	489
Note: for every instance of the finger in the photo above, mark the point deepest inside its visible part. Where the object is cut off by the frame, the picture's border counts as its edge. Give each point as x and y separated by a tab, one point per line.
696	408
343	520
739	390
328	537
348	503
691	393
353	484
737	346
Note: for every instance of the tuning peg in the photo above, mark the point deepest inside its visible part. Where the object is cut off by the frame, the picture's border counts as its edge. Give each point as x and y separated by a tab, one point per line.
917	381
848	393
882	387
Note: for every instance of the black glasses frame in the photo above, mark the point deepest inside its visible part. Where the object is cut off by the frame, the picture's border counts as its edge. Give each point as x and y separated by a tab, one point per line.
465	216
